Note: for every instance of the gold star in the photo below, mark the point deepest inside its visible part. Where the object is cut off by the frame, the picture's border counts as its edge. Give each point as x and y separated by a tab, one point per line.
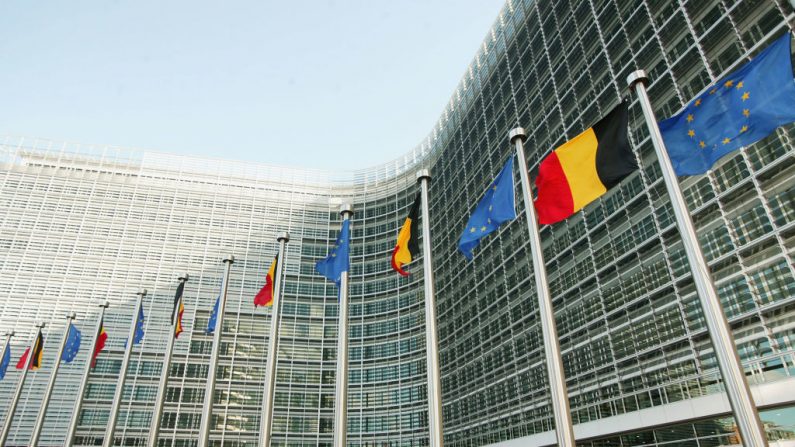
690	118
746	113
728	84
712	92
472	230
727	140
494	187
739	85
743	129
746	95
491	207
698	102
488	220
701	144
333	255
482	229
691	133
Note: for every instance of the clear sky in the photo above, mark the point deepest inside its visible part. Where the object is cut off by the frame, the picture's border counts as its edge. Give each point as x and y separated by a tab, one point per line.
316	83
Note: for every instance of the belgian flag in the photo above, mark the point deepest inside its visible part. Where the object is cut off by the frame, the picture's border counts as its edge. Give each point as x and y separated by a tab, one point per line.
102	337
38	353
179	308
265	295
407	246
585	167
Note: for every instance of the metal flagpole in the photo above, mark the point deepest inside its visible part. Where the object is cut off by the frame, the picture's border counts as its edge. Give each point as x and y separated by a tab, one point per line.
207	410
154	430
740	399
266	423
564	430
341	398
8	335
81	390
15	400
34	439
114	407
431	337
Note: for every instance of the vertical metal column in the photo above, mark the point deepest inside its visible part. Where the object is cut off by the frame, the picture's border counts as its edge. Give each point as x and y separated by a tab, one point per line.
154	430
737	389
266	423
15	400
70	434
341	398
209	395
114	407
564	430
34	438
431	337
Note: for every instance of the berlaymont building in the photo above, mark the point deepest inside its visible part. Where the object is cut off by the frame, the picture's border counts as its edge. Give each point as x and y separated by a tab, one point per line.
80	224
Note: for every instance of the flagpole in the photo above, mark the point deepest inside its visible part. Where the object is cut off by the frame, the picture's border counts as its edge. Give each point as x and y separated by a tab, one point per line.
341	398
564	430
15	400
737	389
34	438
114	407
266	423
8	335
207	410
70	434
154	430
431	337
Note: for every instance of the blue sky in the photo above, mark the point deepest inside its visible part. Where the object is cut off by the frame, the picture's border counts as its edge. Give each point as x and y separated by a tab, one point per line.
319	83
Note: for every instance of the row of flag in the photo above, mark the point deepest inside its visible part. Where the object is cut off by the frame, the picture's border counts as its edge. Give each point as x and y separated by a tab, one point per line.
71	348
742	108
72	345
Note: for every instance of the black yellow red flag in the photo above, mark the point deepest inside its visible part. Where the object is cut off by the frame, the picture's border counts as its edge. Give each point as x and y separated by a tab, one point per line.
179	308
265	295
407	246
38	353
585	167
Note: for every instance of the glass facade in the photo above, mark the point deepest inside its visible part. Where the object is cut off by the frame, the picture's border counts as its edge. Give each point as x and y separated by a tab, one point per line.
80	224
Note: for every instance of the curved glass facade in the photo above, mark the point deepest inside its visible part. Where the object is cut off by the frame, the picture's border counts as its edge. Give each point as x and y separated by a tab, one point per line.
80	224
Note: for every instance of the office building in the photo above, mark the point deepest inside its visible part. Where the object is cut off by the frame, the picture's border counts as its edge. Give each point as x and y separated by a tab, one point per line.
80	224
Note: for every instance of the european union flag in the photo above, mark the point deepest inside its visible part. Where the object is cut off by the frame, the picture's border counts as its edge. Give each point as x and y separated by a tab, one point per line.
496	207
740	109
139	327
213	317
4	364
72	345
337	261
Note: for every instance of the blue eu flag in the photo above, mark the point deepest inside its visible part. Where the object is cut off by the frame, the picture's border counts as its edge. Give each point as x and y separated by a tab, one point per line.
139	327
5	362
72	345
496	207
740	109
337	261
213	317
